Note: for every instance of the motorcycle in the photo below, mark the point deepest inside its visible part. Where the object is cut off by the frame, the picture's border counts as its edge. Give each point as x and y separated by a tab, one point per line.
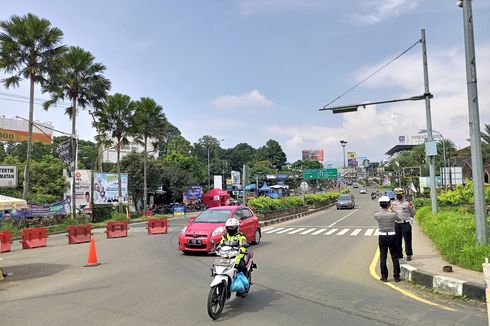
224	272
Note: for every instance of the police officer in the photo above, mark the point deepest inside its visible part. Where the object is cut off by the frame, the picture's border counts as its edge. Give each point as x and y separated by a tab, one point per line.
403	228
387	239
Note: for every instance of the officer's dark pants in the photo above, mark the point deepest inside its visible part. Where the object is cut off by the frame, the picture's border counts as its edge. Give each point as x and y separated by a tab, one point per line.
388	242
404	232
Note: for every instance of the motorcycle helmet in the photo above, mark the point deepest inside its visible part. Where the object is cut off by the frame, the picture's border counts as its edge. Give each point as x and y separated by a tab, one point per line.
398	191
232	226
384	201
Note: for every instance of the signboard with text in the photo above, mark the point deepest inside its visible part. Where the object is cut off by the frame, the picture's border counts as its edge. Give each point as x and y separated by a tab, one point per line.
8	176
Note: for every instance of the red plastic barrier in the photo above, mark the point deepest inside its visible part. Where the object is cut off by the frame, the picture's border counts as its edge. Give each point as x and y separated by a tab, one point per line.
5	241
117	229
79	233
34	238
157	225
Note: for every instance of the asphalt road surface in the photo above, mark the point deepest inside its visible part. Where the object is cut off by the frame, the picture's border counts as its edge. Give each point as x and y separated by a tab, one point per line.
311	271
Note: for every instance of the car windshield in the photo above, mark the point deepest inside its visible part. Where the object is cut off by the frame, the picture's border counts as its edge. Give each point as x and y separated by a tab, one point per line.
213	216
345	197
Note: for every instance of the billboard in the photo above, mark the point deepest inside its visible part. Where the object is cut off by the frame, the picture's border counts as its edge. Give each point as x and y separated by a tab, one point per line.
16	130
415	139
109	153
218	182
313	155
235	178
8	176
352	159
193	193
106	188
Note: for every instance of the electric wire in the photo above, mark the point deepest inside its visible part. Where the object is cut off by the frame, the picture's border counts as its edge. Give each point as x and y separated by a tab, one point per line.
372	74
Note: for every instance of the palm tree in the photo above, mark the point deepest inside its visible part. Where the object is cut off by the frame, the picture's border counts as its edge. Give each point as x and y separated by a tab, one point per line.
29	45
149	123
79	79
114	124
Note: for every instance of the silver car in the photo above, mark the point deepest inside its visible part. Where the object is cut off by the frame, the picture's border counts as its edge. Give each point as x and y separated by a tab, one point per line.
346	201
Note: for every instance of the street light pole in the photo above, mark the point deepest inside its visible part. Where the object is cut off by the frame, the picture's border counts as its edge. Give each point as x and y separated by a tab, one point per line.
432	167
474	122
343	143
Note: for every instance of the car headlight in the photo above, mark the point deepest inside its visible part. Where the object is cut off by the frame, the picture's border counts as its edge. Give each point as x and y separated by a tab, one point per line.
218	231
183	230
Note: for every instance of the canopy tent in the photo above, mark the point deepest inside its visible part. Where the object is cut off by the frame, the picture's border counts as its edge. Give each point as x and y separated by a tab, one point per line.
216	197
9	203
265	188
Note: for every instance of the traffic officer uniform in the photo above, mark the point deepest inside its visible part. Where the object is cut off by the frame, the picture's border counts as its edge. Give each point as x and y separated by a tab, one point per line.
403	228
387	239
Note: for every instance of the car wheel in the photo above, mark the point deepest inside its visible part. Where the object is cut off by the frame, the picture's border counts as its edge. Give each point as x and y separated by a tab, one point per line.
185	252
256	240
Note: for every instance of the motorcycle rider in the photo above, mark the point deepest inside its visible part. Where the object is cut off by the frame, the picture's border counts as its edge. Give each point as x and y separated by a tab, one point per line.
232	226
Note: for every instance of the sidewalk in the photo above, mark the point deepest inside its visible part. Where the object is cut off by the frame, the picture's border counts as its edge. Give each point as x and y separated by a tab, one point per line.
426	269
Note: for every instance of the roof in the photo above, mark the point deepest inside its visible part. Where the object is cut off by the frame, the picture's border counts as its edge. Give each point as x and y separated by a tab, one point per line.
399	148
7	202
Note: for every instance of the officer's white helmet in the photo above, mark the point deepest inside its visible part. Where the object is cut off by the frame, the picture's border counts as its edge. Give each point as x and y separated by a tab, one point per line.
232	224
384	199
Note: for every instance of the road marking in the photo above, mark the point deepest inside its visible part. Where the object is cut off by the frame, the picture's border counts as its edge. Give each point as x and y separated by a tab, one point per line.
376	232
285	230
275	230
372	271
344	231
319	231
267	229
343	218
369	232
356	232
296	231
308	231
331	231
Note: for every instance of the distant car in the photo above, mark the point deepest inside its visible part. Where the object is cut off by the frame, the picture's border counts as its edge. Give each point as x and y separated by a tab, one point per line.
346	201
355	185
201	233
362	191
389	193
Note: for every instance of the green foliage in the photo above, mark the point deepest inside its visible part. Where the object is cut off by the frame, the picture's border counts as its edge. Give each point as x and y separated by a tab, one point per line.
453	234
101	213
321	199
115	216
421	202
266	204
462	194
271	151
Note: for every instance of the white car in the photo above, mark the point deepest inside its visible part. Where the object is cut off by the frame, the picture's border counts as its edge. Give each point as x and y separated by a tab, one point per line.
362	191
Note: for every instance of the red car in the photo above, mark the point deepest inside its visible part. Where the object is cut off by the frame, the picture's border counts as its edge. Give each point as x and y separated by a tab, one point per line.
210	225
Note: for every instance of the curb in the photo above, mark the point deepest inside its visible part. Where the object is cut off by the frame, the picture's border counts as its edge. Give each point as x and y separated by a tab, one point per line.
294	216
442	283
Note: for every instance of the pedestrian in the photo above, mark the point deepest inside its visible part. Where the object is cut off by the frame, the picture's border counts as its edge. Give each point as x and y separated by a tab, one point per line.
387	239
403	228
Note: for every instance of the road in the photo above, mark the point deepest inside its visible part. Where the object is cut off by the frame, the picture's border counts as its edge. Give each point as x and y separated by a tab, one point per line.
311	271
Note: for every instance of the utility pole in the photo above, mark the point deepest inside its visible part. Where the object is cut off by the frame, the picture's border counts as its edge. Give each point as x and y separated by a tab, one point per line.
431	158
474	122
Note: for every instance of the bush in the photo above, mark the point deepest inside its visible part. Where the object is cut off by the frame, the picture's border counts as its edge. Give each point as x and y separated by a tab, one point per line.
101	213
453	234
265	204
421	202
115	216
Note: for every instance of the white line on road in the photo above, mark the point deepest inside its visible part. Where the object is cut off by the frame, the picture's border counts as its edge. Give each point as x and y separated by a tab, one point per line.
356	232
285	230
319	231
275	230
343	218
344	231
369	232
267	229
331	231
376	233
296	231
308	231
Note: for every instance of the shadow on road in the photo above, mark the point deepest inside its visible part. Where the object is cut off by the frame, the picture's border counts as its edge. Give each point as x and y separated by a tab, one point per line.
257	300
32	271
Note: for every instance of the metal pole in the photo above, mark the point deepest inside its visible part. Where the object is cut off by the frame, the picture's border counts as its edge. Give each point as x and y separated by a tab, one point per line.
209	182
474	122
444	160
431	159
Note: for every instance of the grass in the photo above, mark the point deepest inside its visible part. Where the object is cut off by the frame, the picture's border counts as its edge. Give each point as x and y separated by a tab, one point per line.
454	235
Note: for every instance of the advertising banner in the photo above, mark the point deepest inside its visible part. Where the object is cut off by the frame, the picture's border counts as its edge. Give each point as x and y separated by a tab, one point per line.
218	182
8	176
235	178
83	181
193	193
313	155
16	130
106	188
57	208
65	151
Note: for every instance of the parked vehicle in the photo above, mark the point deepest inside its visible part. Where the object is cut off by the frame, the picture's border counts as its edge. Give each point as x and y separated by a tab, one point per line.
346	201
362	191
209	227
224	273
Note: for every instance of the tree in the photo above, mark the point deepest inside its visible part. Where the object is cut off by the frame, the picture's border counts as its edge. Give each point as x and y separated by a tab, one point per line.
29	47
261	168
239	155
304	165
272	151
149	121
115	125
78	79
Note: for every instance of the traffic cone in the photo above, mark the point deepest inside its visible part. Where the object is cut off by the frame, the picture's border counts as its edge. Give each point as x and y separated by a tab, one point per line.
92	255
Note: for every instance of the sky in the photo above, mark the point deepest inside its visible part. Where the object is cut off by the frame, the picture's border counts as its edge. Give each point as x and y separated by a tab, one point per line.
253	70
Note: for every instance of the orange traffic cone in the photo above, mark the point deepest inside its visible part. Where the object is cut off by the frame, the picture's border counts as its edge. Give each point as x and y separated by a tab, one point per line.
92	255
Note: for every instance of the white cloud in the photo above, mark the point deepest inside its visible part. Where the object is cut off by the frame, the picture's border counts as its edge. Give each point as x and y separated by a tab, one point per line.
253	99
374	130
385	9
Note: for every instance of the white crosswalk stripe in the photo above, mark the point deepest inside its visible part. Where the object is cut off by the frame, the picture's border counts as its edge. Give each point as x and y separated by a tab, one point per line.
369	232
332	231
275	230
319	231
308	231
296	231
356	232
285	230
267	229
344	231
